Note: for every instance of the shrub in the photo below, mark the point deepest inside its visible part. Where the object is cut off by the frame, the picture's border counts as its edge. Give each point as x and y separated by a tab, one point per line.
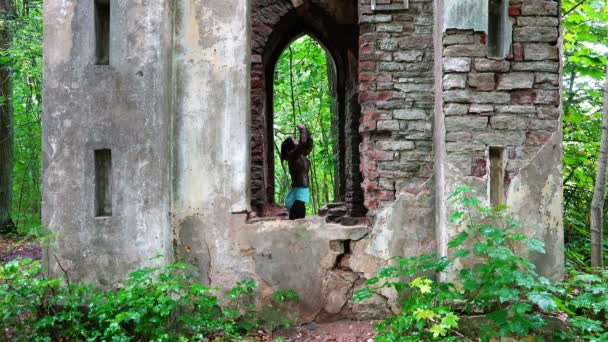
502	286
160	304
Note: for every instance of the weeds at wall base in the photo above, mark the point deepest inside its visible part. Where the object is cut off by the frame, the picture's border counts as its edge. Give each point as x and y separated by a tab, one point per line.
159	304
499	295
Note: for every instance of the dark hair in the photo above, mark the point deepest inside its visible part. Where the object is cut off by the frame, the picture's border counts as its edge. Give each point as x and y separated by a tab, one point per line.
286	147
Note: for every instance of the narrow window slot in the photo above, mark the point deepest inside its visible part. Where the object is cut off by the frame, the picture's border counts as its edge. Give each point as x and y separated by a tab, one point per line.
102	32
103	183
497	175
497	12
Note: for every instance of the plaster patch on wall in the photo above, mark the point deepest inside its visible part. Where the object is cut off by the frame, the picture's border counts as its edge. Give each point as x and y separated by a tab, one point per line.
404	228
212	135
62	14
466	15
535	199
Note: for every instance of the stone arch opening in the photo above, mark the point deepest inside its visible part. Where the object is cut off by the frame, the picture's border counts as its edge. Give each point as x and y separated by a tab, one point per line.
333	23
302	94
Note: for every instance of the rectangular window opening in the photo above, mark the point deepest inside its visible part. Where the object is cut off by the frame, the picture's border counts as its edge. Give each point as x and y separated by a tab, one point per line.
497	175
102	32
103	183
497	16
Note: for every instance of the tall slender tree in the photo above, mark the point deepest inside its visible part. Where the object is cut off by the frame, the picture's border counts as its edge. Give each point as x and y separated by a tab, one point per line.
599	194
6	123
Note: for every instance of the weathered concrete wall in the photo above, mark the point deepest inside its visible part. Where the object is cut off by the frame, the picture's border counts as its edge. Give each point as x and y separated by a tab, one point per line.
211	104
125	107
513	103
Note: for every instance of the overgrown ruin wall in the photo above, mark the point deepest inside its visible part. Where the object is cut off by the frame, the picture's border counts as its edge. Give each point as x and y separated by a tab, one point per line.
182	106
512	103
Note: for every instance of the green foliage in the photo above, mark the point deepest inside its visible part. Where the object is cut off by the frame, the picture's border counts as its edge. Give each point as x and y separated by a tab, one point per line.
152	304
24	58
302	95
585	298
493	279
586	52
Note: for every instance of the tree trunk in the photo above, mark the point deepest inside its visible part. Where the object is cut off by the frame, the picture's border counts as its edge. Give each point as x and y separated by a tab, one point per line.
599	194
6	127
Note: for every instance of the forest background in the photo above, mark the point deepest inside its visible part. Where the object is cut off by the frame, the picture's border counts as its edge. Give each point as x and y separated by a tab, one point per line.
302	94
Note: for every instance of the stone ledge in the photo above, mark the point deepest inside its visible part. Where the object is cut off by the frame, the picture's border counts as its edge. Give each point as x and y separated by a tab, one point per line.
316	224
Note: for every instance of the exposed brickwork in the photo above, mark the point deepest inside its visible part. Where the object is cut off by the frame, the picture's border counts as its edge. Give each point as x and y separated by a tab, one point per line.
266	14
511	102
396	97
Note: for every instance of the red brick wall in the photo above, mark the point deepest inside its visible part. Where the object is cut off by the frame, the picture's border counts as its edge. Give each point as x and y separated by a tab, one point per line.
396	97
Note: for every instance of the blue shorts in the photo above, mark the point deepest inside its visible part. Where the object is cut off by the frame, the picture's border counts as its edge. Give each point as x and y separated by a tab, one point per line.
296	194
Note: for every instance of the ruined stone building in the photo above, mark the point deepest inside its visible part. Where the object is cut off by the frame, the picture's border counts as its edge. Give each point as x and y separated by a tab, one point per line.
158	124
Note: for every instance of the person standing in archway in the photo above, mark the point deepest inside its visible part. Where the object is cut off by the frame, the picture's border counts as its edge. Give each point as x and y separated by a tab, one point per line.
295	152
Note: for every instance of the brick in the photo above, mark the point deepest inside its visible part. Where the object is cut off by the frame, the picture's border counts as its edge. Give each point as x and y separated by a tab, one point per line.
531	34
501	137
389	27
388	44
423	29
515	80
375	56
549	66
542	77
371	96
463	96
367	126
410	114
543	125
422	126
454	81
537	138
459	136
481	109
515	109
415	42
414	87
479	168
537	21
460	147
540	52
485	65
539	7
535	96
387	125
460	38
465	123
482	81
518	52
367	66
455	64
408	56
377	18
465	50
392	145
514	11
455	109
393	66
508	122
548	112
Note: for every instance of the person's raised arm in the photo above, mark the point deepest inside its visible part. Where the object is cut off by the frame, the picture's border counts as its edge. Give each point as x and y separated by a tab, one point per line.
305	140
304	145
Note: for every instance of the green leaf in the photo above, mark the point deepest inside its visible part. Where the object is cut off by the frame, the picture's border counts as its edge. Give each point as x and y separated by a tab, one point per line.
543	299
461	253
536	246
458	240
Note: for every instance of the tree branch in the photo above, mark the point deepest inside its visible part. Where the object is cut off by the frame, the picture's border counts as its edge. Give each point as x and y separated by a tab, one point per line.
573	8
